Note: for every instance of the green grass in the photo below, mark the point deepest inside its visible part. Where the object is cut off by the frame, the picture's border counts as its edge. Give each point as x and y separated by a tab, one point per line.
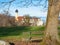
20	32
17	32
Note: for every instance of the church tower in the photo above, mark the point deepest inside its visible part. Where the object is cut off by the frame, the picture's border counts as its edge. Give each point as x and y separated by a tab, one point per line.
16	16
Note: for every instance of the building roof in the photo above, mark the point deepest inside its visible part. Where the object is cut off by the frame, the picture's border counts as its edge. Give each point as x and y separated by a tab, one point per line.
20	18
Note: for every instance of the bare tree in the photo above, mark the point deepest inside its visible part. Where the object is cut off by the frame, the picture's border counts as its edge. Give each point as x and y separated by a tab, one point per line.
26	20
51	32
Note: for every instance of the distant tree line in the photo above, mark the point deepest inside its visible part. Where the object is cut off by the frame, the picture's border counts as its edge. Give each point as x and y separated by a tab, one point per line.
6	20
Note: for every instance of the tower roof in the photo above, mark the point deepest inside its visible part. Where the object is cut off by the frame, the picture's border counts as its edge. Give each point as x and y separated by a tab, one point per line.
16	10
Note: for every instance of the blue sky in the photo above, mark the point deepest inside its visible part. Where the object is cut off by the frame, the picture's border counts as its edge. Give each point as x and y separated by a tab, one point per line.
32	7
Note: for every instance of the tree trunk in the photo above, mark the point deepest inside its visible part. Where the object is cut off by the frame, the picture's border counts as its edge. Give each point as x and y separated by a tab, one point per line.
51	31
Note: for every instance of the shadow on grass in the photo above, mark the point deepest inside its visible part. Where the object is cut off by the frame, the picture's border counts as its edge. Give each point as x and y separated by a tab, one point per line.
14	31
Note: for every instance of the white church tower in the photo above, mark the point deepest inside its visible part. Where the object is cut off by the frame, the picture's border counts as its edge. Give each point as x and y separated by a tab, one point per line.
16	16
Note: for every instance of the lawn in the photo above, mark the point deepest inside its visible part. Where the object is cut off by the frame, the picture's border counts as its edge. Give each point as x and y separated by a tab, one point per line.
21	32
18	32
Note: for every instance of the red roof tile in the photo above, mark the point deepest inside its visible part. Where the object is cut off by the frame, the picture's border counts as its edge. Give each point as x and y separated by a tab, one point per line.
20	18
